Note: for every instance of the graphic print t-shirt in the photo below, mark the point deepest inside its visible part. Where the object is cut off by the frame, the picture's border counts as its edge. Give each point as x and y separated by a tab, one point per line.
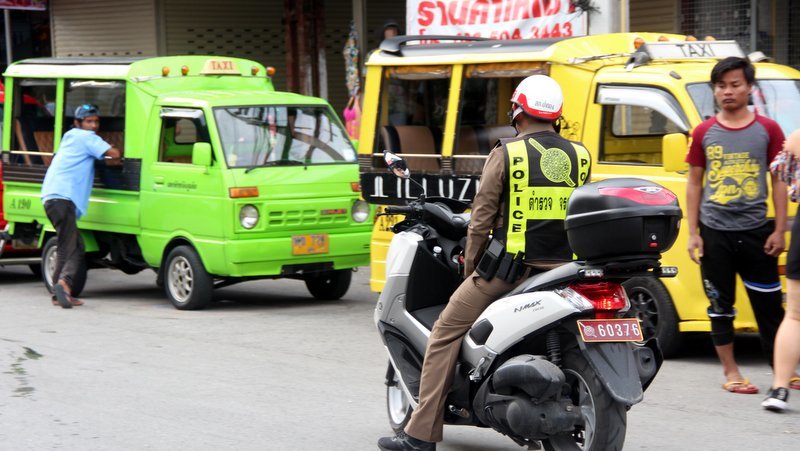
736	161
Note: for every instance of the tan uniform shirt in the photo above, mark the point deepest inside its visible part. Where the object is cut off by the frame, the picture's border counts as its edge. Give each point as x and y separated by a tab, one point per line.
488	209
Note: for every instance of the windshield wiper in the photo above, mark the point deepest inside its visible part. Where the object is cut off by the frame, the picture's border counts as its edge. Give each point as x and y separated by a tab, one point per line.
275	163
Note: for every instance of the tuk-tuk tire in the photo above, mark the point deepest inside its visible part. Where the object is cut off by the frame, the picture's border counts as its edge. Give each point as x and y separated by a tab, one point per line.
78	282
187	284
329	285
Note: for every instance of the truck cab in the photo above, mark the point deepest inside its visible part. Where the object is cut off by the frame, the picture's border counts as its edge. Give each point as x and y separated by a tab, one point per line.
223	178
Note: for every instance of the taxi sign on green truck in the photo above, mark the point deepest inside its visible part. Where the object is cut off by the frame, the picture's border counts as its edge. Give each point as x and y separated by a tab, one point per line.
223	178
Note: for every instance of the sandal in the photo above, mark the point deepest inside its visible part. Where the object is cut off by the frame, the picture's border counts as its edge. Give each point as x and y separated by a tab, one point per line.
794	383
741	386
64	299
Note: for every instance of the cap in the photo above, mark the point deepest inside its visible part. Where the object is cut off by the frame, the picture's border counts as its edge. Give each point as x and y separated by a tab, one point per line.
86	110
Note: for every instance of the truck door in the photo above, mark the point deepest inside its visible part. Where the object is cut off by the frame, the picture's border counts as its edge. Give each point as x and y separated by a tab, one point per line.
629	124
179	198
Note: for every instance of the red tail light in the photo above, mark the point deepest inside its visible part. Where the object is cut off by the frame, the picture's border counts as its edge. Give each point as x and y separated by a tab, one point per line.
607	297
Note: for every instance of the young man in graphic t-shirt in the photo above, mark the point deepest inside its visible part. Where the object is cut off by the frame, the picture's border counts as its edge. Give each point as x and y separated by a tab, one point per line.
726	197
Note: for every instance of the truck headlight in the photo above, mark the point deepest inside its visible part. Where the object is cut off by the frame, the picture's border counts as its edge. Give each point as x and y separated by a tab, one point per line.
360	211
248	216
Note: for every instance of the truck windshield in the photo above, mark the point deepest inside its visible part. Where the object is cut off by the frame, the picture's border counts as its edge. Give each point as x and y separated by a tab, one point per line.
776	99
281	135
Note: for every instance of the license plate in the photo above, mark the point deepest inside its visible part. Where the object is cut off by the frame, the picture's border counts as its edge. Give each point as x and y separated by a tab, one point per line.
603	330
310	244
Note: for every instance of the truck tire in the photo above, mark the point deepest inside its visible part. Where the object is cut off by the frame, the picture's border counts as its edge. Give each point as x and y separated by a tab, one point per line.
652	304
48	266
329	285
187	283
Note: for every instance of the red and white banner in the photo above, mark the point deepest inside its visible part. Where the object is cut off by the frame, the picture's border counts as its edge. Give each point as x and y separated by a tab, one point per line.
35	5
496	19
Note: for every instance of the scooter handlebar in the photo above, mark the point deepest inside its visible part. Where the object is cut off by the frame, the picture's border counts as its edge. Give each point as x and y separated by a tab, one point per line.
398	210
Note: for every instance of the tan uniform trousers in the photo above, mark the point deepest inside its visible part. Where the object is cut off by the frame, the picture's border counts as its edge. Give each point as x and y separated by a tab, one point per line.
471	298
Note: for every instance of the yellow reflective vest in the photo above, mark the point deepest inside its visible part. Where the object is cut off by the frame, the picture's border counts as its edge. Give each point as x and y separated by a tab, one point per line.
542	170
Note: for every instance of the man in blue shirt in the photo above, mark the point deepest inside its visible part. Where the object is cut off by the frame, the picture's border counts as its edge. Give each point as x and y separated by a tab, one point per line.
65	194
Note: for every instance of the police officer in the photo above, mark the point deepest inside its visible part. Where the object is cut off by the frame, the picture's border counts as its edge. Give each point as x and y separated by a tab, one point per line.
523	194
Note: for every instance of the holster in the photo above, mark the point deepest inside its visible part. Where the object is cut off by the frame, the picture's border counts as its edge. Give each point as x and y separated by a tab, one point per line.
496	262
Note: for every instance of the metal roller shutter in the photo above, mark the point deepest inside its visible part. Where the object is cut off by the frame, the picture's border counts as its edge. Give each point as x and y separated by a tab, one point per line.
103	27
658	17
250	29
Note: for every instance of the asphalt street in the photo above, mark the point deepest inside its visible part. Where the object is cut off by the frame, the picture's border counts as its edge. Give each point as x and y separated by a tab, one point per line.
269	368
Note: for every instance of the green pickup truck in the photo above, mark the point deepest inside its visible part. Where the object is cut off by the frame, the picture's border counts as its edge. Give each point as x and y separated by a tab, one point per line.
223	178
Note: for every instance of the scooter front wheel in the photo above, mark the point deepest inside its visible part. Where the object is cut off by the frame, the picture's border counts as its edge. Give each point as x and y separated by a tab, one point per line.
398	405
604	420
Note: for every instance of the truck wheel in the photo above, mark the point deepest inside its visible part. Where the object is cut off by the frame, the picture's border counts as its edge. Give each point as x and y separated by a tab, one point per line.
48	267
329	285
652	304
187	283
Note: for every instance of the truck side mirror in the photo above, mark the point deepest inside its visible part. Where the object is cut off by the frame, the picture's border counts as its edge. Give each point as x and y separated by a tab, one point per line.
673	152
201	154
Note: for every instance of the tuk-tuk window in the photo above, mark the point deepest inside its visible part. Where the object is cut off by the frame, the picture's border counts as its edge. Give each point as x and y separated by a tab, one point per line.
483	119
180	129
634	122
34	122
413	107
282	136
108	96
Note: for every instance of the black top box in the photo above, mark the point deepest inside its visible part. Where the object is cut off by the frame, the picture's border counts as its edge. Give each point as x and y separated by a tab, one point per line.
621	219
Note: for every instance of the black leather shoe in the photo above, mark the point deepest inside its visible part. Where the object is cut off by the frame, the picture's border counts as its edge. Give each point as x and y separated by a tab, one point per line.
405	442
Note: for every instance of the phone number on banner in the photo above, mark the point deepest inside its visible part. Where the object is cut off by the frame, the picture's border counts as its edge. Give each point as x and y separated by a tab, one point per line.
556	30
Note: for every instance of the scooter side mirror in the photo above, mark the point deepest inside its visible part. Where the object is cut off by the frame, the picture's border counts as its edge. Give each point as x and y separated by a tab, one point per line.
396	165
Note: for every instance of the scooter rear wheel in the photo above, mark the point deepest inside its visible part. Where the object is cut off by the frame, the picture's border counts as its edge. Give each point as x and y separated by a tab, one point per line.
397	403
604	419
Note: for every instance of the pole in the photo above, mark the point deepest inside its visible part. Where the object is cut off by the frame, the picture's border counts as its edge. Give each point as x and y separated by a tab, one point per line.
753	25
9	53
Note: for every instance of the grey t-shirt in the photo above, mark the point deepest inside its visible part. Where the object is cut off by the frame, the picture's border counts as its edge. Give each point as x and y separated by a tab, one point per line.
736	162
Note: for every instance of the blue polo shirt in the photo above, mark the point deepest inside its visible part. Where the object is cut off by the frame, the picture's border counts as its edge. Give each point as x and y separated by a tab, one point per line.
71	173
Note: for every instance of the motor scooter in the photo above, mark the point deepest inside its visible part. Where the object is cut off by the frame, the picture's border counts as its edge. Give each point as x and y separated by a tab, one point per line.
557	362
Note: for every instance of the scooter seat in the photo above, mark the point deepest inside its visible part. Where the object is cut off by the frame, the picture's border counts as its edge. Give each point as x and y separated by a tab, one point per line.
556	276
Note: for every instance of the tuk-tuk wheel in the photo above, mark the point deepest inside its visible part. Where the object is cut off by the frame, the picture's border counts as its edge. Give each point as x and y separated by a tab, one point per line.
187	283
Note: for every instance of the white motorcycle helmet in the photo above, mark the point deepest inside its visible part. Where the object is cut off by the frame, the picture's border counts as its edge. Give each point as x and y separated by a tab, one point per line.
539	96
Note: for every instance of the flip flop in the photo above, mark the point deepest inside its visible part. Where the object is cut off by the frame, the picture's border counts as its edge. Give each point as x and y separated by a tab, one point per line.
794	383
741	386
64	299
